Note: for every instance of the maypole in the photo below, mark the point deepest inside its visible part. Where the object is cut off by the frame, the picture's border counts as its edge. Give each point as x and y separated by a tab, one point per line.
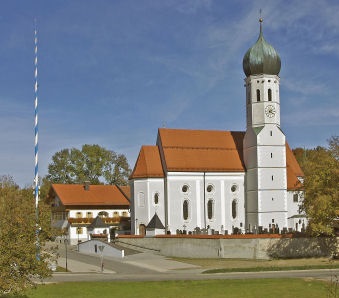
36	144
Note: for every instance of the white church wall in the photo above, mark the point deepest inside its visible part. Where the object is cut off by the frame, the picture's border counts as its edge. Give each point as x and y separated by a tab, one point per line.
269	155
144	205
278	219
252	179
294	201
220	188
272	201
183	188
271	135
272	178
250	158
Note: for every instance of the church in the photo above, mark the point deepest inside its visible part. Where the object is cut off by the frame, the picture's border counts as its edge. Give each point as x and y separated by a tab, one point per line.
223	182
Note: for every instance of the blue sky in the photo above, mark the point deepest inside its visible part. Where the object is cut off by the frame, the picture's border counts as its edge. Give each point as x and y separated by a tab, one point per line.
112	72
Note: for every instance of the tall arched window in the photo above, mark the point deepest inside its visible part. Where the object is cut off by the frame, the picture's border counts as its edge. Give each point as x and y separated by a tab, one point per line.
210	209
234	208
185	209
269	94
258	95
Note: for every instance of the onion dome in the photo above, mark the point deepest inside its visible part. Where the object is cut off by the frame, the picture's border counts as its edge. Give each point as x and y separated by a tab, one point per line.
261	58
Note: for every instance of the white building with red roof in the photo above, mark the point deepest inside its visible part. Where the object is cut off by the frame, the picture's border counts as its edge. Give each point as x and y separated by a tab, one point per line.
76	206
223	181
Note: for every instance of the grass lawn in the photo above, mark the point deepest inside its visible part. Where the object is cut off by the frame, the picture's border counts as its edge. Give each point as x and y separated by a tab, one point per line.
255	265
181	289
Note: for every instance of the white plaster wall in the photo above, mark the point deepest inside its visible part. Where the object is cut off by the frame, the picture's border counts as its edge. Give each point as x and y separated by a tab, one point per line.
73	232
272	156
221	195
265	180
95	212
252	179
277	218
144	207
272	200
271	135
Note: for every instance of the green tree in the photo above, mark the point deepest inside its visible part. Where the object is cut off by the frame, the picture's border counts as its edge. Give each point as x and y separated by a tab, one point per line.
321	169
92	163
19	265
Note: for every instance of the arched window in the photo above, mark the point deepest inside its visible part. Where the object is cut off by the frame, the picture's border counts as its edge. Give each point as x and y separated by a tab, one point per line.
185	210
234	208
258	95
210	209
269	94
156	198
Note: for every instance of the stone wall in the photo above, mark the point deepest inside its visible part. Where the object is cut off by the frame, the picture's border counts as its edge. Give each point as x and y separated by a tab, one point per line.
239	247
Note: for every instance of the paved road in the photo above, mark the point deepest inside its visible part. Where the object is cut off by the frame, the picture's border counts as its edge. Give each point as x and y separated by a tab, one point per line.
70	277
151	267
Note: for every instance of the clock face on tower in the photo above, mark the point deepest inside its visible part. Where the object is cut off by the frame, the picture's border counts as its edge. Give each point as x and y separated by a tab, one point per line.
270	111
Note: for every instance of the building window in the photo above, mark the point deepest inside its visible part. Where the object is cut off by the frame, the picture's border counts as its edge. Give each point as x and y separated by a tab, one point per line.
89	214
269	94
210	209
78	215
125	214
185	188
156	198
79	230
209	188
103	214
295	198
234	208
271	155
185	209
234	188
272	178
258	95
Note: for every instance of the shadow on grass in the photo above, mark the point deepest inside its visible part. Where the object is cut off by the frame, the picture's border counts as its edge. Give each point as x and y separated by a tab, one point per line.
302	247
262	269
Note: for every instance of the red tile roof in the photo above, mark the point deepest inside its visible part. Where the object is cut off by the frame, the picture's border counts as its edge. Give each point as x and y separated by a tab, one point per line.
201	150
148	163
293	170
99	195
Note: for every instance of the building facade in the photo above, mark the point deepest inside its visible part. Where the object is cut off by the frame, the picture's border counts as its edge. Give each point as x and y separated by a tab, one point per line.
212	181
76	208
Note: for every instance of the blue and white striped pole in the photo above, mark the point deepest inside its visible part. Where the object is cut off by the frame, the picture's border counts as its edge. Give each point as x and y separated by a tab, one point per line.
36	144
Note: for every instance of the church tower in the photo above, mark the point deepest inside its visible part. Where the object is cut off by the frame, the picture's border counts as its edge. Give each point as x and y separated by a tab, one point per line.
264	142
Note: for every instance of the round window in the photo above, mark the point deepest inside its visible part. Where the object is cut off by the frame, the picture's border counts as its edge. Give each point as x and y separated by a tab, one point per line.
209	188
234	188
184	188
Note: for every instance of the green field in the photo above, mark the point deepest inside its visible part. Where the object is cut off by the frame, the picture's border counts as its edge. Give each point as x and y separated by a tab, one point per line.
191	289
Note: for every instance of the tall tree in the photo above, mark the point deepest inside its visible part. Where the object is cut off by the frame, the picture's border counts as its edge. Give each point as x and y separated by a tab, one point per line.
321	169
92	163
18	249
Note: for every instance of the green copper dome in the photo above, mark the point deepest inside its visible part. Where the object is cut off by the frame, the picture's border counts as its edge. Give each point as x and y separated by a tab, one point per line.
261	58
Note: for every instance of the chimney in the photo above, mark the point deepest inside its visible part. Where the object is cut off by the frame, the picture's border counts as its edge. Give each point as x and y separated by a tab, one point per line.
86	185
